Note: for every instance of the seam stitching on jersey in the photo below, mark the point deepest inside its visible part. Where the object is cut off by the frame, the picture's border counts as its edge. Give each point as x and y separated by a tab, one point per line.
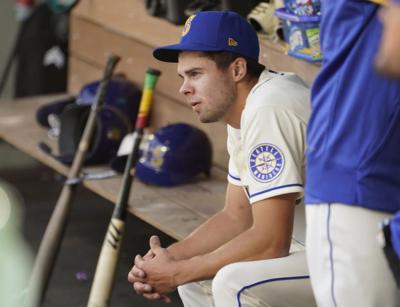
260	84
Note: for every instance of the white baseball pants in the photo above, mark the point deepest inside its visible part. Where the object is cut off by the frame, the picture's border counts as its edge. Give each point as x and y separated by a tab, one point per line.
282	282
347	266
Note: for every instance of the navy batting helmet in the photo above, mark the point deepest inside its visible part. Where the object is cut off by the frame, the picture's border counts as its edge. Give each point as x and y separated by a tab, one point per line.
115	119
174	155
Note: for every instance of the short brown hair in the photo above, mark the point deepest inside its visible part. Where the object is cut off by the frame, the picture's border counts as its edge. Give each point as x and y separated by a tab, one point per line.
224	58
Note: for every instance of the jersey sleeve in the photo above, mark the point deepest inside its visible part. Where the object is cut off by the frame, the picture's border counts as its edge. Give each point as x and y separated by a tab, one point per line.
233	173
273	141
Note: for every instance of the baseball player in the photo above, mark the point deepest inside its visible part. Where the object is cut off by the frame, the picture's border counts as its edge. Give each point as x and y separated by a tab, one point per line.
353	161
388	63
388	59
240	256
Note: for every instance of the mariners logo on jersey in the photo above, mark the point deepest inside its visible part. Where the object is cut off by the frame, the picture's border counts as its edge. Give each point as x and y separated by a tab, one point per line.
266	162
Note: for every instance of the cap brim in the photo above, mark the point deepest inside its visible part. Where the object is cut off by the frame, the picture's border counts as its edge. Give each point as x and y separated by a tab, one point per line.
170	53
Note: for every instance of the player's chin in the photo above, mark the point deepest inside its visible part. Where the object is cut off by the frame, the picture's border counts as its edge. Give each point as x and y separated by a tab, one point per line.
202	117
208	117
206	120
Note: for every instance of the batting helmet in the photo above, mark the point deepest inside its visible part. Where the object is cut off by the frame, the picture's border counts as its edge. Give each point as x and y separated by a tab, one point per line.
114	120
174	155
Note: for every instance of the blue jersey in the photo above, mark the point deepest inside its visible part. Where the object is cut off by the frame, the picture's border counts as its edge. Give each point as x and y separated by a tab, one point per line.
353	154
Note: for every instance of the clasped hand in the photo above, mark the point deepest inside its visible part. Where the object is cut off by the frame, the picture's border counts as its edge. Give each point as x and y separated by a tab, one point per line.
154	275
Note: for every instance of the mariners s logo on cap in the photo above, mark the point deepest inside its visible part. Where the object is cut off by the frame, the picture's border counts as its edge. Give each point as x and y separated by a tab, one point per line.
187	25
266	162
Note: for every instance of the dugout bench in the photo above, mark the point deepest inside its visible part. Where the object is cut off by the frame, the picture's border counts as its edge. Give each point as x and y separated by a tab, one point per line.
175	211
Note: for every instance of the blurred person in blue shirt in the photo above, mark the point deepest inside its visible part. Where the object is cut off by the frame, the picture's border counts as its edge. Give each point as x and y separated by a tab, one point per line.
353	159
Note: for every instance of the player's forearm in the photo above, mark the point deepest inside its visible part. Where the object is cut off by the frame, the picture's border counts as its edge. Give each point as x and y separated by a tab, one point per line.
208	237
248	246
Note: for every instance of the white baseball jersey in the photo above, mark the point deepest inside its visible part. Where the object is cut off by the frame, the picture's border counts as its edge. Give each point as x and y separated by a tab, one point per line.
267	152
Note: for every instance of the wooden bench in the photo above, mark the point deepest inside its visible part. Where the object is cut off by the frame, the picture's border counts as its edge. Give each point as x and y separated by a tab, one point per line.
175	211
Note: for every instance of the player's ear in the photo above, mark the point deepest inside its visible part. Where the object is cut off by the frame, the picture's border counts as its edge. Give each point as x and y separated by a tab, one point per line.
239	69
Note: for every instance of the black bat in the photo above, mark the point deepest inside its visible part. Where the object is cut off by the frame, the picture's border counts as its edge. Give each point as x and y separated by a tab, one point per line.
106	266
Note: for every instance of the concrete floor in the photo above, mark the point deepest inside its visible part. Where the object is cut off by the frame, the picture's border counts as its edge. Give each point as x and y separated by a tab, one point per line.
40	188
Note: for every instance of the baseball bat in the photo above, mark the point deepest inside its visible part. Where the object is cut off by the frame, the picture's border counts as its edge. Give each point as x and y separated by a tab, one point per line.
106	266
55	229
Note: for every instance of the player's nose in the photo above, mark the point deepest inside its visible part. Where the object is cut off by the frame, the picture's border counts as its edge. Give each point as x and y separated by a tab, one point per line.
186	88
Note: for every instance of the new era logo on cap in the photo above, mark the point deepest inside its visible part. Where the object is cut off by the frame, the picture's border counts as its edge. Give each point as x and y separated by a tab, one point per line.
213	31
232	42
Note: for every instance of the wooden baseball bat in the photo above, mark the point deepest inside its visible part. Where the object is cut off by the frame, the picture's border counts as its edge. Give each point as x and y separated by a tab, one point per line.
103	281
55	229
